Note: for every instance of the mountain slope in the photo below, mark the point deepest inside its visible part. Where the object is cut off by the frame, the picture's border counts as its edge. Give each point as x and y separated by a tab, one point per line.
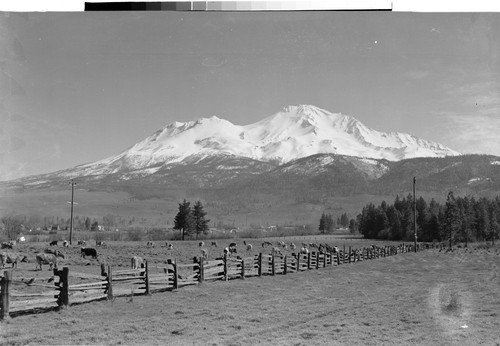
293	133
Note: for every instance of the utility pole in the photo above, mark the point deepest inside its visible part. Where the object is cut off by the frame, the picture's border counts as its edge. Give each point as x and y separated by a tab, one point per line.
415	213
71	219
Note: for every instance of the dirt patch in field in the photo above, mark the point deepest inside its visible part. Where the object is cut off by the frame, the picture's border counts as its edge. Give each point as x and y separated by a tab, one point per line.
423	298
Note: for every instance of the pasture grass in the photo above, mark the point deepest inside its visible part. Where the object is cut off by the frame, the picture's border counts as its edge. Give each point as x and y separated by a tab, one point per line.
426	298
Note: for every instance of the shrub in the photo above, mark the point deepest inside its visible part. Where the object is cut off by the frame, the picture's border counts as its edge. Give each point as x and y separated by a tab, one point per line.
134	235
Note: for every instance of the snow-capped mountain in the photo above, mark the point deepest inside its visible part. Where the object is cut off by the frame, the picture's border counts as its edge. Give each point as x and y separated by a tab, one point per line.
294	132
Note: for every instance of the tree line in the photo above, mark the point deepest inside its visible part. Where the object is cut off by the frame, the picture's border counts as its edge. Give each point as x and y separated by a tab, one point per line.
460	219
327	223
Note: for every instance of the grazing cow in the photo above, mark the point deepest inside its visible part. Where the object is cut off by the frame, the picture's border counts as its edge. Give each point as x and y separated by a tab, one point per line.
170	246
53	243
100	243
204	253
201	244
150	244
266	244
54	252
6	245
88	251
277	251
292	246
82	242
13	258
249	247
65	243
137	262
46	258
303	249
214	243
230	249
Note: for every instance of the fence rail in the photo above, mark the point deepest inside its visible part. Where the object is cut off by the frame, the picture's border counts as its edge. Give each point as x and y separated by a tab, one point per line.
59	292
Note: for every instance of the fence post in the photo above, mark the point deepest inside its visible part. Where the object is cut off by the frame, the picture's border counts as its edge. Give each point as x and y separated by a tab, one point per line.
109	279
146	279
317	259
103	269
4	294
298	262
259	268
273	269
63	287
243	269
308	261
285	264
201	270
324	260
176	281
226	268
350	254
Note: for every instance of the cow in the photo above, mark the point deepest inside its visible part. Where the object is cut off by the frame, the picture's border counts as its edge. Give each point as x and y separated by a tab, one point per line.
54	252
100	243
65	243
214	243
150	244
82	242
230	249
170	246
137	262
53	243
88	251
204	253
266	244
201	244
46	258
13	258
7	245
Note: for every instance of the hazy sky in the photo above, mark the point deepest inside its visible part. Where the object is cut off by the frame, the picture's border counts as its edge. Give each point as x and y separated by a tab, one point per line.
79	87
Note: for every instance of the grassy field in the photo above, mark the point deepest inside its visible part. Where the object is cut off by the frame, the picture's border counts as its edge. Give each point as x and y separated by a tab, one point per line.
428	298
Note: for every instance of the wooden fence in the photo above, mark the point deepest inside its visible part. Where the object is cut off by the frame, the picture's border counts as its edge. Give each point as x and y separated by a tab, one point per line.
66	288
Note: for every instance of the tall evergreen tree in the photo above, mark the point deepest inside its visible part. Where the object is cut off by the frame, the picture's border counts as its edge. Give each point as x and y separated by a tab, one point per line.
493	221
184	219
200	223
322	223
451	224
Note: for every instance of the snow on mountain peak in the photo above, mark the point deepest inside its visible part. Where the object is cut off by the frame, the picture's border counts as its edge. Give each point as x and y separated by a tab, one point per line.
292	133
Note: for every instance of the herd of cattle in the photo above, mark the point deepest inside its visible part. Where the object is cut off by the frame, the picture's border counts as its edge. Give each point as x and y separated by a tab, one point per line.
51	255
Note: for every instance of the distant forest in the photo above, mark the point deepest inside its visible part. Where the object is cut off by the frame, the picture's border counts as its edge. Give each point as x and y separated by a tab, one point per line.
461	219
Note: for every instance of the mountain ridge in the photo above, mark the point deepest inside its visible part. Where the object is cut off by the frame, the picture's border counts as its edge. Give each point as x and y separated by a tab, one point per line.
294	132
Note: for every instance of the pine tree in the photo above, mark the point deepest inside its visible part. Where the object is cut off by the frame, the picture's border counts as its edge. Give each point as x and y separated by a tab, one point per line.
322	223
184	219
344	220
87	223
451	217
200	223
329	223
